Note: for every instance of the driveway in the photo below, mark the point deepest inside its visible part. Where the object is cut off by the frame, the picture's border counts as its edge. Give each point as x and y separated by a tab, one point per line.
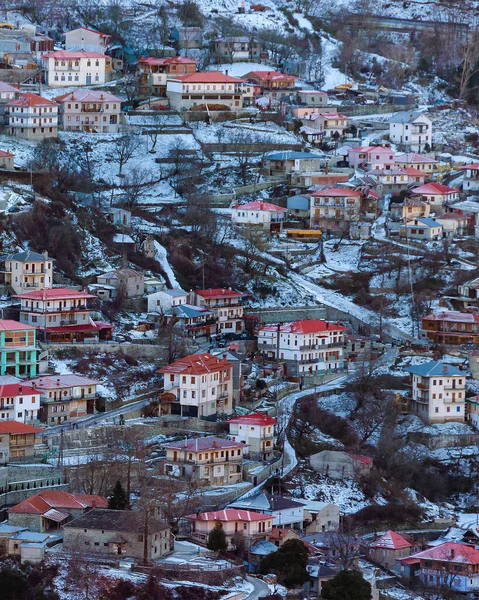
261	589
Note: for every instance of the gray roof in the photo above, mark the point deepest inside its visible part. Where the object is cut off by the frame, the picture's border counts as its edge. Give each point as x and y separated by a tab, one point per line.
265	501
31	536
435	368
298	202
188	311
242	40
27	256
115	520
292	155
425	221
263	548
6	528
176	293
406	117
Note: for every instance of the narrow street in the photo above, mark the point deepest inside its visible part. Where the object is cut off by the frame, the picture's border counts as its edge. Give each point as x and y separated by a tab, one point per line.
261	589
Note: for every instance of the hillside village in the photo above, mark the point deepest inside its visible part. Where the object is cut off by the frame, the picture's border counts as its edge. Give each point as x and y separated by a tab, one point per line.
239	300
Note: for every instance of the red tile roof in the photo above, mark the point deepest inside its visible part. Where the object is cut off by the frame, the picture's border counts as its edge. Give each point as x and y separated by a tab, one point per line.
472	166
366	149
435	188
254	419
260	205
73	54
270	75
48	499
29	99
366	460
10	325
412	157
55	294
203	444
172	60
12	390
332	192
306	326
4	153
392	541
219	293
197	364
450	552
278	533
230	514
15	428
95	326
207	77
88	96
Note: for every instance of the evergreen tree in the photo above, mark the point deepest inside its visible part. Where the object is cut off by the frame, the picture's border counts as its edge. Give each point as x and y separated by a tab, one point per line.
347	585
217	539
118	500
288	563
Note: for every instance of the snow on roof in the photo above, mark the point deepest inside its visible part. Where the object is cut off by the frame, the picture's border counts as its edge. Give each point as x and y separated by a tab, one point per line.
197	364
254	419
453	316
270	75
325	116
435	188
472	167
414	158
151	60
259	205
203	444
366	149
28	256
263	548
435	369
392	541
292	155
342	192
9	325
6	87
304	327
450	552
29	99
51	382
123	238
229	514
119	273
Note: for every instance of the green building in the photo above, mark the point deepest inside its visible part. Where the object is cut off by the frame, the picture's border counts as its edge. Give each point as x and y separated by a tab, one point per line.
18	349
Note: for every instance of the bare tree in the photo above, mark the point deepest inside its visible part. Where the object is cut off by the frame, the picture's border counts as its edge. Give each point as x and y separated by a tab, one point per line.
125	148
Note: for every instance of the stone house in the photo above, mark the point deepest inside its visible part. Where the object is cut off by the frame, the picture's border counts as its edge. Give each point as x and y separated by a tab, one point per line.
388	548
118	533
126	282
319	516
17	440
341	465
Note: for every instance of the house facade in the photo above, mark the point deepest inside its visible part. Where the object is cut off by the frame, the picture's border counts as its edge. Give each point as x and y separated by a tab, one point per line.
64	398
28	270
417	161
32	117
207	88
388	548
199	385
17	441
422	228
259	214
326	124
19	402
272	83
163	300
436	193
118	533
333	209
309	347
470	177
19	354
371	158
212	461
341	465
63	315
64	68
397	178
451	328
86	40
412	130
236	49
154	72
128	283
319	516
287	162
257	431
225	304
438	392
286	512
89	111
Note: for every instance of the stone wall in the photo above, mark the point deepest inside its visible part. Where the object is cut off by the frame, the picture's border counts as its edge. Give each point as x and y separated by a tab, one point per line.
434	441
18	482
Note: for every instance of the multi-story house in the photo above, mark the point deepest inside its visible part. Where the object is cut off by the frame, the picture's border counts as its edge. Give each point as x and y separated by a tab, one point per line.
127	283
32	117
468	294
86	40
64	398
19	402
290	161
164	300
17	440
259	214
66	69
470	177
451	328
286	512
7	94
194	321
438	392
18	349
397	179
187	38
417	161
308	102
421	228
28	270
310	347
154	72
388	548
208	460
90	111
236	49
333	209
63	315
412	130
6	160
272	83
257	431
452	566
436	193
325	124
371	158
199	385
254	526
226	306
207	88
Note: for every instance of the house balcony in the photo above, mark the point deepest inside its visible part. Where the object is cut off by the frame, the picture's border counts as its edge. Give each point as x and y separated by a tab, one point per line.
422	386
93	109
455	388
68	67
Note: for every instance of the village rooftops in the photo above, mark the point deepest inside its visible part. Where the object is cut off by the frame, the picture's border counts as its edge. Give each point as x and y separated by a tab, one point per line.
175	293
414	158
453	316
6	87
52	382
88	96
267	502
425	221
326	116
72	55
340	192
254	419
189	311
9	325
305	327
292	155
367	149
203	444
232	38
56	294
471	166
28	256
172	60
392	541
207	77
450	552
11	390
435	369
216	293
229	514
16	428
49	499
197	364
435	189
398	171
259	205
114	520
120	273
5	154
271	75
406	117
28	100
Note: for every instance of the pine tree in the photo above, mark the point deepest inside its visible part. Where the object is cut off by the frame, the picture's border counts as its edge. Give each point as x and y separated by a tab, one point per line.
118	500
289	563
347	585
217	539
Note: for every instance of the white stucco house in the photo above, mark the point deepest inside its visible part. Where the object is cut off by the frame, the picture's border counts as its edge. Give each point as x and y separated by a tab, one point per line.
66	69
412	130
259	214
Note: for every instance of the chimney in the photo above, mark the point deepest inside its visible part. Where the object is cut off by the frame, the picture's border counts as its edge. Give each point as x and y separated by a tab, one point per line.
214	445
45	254
452	552
20	389
444	369
411	117
226	72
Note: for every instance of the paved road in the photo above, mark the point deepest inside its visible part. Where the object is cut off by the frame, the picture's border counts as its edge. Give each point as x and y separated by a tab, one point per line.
261	589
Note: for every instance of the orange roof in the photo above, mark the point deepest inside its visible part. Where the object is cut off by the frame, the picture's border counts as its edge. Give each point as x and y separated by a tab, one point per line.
207	77
14	428
55	294
4	153
48	499
197	364
332	192
29	99
278	533
269	75
9	325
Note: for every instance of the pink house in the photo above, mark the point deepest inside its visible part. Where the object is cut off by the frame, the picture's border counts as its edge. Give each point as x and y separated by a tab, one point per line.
371	158
436	193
